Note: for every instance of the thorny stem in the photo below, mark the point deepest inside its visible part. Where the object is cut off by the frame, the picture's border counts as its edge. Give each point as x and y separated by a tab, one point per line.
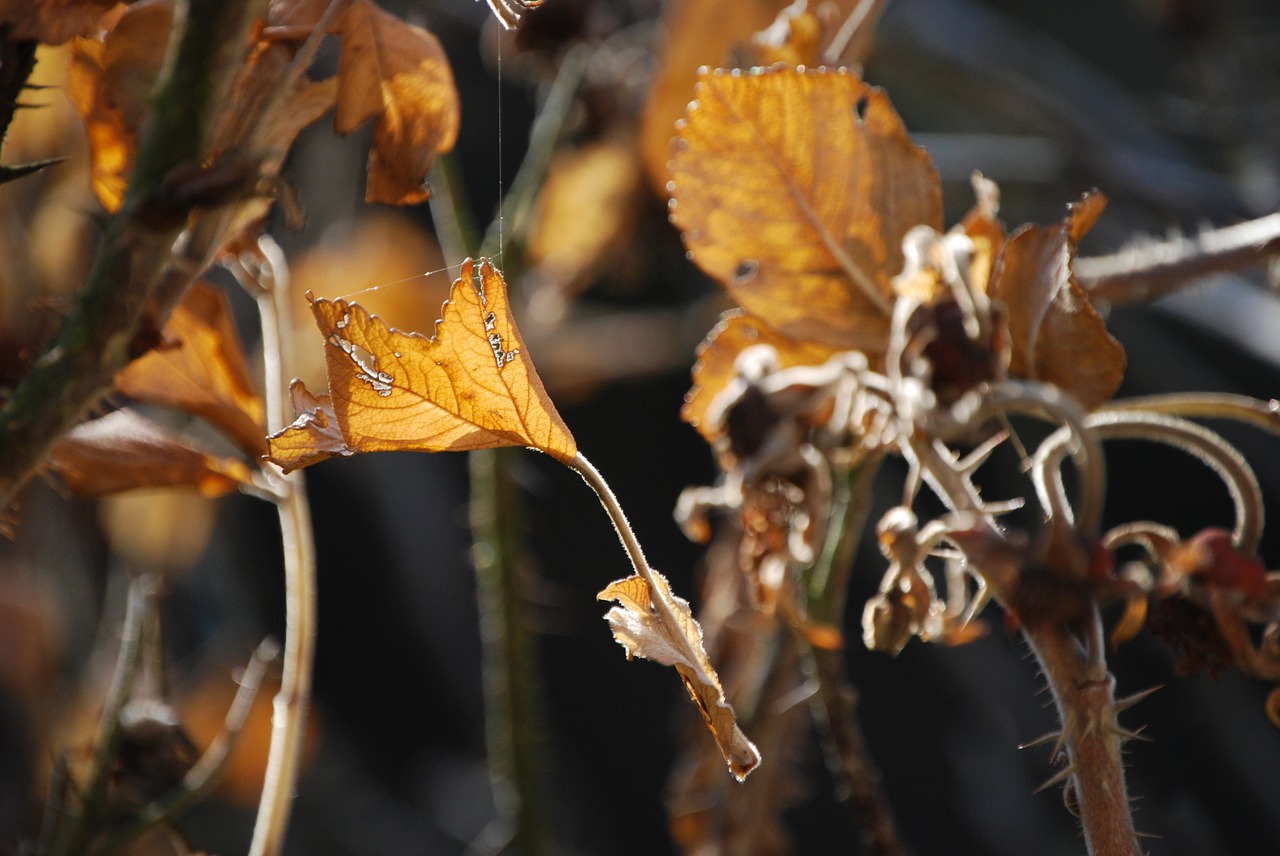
1084	693
1081	686
1147	271
125	286
835	701
293	699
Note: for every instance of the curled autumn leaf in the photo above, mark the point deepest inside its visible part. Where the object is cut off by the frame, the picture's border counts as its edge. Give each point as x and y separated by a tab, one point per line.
1055	333
398	75
109	81
472	386
200	368
313	437
124	450
653	623
714	369
795	189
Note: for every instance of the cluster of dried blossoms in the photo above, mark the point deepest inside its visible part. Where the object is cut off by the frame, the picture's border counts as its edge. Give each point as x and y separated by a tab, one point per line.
928	345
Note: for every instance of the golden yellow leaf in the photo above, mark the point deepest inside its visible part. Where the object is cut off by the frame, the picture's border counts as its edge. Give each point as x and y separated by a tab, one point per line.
795	189
472	386
1055	333
399	74
735	332
643	628
313	437
200	368
698	33
109	82
123	450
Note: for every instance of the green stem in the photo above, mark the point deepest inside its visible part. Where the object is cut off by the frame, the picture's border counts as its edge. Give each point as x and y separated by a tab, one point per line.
835	701
119	299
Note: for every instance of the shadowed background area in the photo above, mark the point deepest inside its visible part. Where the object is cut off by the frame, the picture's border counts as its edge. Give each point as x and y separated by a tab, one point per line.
1168	106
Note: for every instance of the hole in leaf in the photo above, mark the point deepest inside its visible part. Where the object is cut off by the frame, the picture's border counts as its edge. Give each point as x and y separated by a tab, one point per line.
745	271
860	109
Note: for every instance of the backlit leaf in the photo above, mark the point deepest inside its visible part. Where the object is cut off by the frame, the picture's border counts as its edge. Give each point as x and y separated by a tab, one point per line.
1055	333
641	627
124	450
200	368
313	437
109	81
472	386
735	332
398	75
794	189
698	33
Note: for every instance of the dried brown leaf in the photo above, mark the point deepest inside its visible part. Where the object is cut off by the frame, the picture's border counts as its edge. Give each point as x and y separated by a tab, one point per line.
795	189
313	437
641	627
398	75
714	369
124	450
109	82
52	22
200	368
1055	333
472	386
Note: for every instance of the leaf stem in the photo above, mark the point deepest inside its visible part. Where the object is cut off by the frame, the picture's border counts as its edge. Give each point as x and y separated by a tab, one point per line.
626	534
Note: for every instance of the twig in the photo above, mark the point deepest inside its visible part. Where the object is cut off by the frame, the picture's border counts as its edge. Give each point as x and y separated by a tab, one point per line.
139	612
204	773
1149	270
292	701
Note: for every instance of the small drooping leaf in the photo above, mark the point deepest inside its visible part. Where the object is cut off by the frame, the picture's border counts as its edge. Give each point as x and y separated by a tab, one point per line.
795	189
200	368
472	386
124	450
109	82
1055	333
313	437
399	74
1132	620
51	22
735	332
641	625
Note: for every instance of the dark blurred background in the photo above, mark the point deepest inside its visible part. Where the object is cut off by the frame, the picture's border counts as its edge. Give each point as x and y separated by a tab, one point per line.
1171	107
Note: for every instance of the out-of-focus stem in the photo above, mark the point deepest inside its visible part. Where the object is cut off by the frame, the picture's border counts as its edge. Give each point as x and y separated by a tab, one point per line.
835	701
293	699
511	699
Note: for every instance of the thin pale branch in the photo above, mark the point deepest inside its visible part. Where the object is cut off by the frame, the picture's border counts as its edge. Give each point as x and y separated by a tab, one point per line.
1146	271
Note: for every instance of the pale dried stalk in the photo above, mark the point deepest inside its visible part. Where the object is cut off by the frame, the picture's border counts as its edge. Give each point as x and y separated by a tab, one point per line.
292	701
1149	270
